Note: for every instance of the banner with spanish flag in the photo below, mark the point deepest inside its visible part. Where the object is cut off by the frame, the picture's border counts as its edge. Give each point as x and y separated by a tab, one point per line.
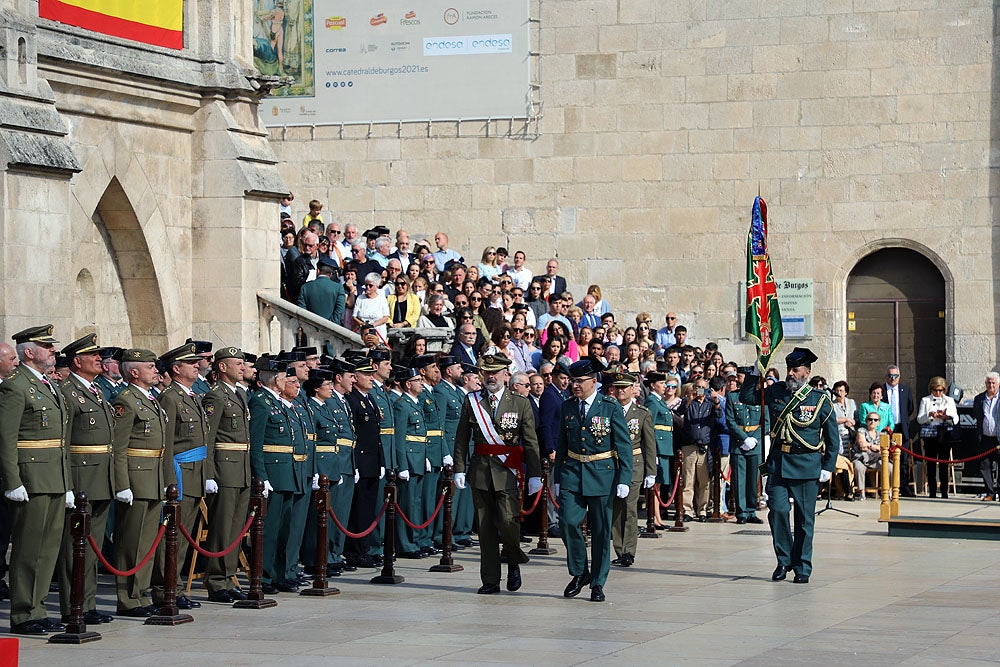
763	321
156	22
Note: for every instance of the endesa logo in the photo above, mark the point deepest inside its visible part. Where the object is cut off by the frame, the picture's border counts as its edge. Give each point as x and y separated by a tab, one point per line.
378	19
444	46
336	23
467	45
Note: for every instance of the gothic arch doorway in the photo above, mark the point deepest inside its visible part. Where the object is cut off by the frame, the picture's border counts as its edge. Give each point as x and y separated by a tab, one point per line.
895	315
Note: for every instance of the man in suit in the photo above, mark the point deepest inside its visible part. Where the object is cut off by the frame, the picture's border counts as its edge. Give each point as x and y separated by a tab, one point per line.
501	428
89	438
324	296
144	465
625	511
402	252
227	472
464	348
986	409
594	460
557	284
900	399
34	465
301	268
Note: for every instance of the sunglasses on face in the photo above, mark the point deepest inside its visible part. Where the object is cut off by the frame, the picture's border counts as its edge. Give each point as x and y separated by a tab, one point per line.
518	330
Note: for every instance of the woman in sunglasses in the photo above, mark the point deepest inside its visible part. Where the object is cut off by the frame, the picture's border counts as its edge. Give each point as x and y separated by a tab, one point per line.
404	307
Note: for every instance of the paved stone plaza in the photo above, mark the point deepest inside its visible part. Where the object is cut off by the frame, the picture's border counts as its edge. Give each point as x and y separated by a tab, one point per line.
702	597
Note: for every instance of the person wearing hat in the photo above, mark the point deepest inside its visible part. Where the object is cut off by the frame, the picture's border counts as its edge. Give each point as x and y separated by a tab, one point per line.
187	433
324	296
203	349
227	472
549	413
61	370
144	466
381	359
625	511
302	420
449	398
663	430
434	421
411	459
744	422
89	436
500	426
34	465
369	462
110	380
803	454
594	460
462	508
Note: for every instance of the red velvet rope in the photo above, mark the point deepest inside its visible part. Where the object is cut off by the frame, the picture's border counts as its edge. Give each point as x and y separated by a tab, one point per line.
555	503
538	496
217	554
426	523
366	533
127	573
673	494
949	461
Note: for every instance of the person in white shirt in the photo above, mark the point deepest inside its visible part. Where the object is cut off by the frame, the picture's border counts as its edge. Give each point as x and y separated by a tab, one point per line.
519	272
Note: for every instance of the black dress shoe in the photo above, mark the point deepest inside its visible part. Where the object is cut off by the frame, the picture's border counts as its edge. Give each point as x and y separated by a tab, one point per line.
555	532
268	589
617	561
688	517
220	596
597	594
334	570
754	519
287	587
800	579
237	594
347	567
702	518
184	602
29	628
779	573
365	561
92	617
52	625
513	578
740	520
489	589
525	539
628	560
105	617
378	561
412	555
464	542
576	585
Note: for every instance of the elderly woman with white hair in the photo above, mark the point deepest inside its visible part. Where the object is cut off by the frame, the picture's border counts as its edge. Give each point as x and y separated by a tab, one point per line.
937	412
371	307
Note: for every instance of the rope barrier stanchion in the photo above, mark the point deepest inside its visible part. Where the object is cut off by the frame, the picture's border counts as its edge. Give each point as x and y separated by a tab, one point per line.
258	509
321	502
716	485
79	528
678	526
169	614
388	574
897	444
543	547
883	478
651	500
447	563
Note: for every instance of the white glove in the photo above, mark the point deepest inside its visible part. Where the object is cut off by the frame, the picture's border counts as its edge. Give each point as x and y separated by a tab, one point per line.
315	482
622	491
748	444
404	475
427	464
18	495
534	485
341	478
648	481
357	475
70	500
825	476
381	472
211	486
125	496
555	489
460	480
767	442
447	460
267	488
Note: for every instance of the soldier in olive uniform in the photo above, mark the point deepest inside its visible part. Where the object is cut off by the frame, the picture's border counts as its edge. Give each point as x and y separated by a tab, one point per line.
89	436
144	465
381	358
34	465
227	469
449	398
188	437
501	427
434	420
744	422
625	511
411	457
594	461
804	445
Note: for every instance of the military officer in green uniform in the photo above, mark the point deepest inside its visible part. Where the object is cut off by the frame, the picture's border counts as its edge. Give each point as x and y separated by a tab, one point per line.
411	458
89	436
594	462
381	358
434	421
227	469
464	512
663	431
745	446
34	465
500	426
110	381
303	424
625	511
804	445
188	437
203	349
449	398
144	466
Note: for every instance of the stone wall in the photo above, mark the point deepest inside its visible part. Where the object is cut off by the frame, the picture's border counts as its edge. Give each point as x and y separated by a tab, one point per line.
863	124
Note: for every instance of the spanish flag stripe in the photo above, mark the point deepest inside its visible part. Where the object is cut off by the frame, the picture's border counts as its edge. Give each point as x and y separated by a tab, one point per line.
115	25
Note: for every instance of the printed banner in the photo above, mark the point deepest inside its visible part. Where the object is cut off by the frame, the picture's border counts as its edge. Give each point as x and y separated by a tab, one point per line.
160	23
393	60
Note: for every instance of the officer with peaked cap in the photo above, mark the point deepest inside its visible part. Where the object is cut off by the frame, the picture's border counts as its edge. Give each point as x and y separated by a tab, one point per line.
448	397
34	465
434	420
381	359
411	458
594	461
369	462
744	424
203	349
804	446
89	437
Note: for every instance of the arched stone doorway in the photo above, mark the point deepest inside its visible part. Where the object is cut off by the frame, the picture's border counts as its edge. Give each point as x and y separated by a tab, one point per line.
895	315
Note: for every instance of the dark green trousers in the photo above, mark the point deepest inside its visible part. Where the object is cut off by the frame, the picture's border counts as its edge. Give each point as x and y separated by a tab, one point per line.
625	518
98	521
794	551
377	538
276	523
137	526
743	482
409	497
36	535
301	505
497	512
573	507
429	495
462	512
188	515
227	514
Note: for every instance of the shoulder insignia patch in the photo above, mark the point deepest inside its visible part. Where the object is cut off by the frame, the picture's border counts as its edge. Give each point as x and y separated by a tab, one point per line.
119	411
210	409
